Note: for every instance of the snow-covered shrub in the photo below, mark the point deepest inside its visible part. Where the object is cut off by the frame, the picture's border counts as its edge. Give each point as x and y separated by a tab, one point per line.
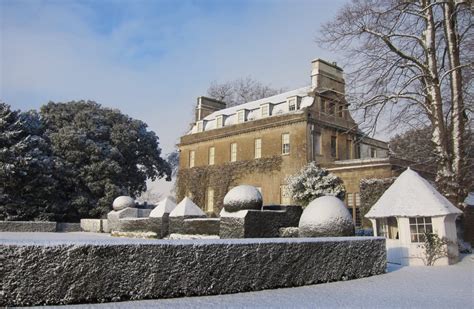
312	182
434	248
243	197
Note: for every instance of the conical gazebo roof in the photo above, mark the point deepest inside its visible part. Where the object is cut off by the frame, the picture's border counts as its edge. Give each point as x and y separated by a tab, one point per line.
411	196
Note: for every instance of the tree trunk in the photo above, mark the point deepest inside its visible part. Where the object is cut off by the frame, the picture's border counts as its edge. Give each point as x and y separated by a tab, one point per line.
439	138
457	103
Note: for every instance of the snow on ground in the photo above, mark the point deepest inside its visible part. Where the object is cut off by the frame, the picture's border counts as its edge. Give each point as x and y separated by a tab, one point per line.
174	236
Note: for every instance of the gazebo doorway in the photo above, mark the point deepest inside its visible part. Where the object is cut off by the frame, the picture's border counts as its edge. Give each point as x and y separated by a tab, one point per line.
388	228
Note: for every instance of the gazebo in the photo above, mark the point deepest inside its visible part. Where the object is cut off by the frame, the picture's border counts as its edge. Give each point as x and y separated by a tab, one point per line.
410	207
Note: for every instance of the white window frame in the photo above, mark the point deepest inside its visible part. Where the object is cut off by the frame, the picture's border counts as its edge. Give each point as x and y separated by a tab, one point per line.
241	116
418	226
200	126
219	121
292	106
374	154
265	110
293	103
192	158
258	148
212	155
285	144
233	152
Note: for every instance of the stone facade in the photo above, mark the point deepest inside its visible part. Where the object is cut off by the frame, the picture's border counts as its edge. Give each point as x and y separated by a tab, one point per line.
318	128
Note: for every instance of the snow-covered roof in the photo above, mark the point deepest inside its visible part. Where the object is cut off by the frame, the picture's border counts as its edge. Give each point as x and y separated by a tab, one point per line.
278	102
411	196
165	206
187	208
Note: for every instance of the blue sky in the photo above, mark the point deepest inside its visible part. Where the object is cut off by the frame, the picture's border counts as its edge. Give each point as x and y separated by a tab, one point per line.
151	59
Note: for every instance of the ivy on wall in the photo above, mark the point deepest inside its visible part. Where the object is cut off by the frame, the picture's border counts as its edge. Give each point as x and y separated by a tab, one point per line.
196	181
370	191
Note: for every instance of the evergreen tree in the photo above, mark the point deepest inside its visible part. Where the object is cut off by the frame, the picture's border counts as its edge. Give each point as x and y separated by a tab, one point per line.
106	154
29	175
312	182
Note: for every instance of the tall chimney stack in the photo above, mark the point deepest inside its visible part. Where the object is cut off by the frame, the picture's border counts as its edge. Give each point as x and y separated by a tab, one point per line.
326	75
206	106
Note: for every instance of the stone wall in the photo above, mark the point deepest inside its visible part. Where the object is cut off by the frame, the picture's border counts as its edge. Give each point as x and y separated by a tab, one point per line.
27	226
80	271
68	227
92	225
202	226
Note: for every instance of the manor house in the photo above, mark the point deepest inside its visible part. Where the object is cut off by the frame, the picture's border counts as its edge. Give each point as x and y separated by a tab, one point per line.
262	142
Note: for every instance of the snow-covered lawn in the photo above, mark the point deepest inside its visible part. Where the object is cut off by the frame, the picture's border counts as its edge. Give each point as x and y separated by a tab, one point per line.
402	287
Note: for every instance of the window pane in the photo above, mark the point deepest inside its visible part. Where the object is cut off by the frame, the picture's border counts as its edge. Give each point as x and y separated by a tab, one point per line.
211	155
412	221
317	143
258	148
427	219
191	158
350	200
429	228
333	146
285	146
233	152
292	105
357	199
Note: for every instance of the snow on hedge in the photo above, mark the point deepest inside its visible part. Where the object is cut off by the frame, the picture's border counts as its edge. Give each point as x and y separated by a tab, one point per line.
165	206
187	208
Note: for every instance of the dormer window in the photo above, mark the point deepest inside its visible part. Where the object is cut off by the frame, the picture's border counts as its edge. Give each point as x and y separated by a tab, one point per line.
265	109
219	121
293	103
241	116
200	126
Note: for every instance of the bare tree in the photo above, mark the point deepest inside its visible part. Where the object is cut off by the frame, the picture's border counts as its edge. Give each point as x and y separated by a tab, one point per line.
412	60
241	91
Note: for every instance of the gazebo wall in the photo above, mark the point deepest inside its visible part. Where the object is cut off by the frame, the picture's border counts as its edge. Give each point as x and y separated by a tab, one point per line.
411	254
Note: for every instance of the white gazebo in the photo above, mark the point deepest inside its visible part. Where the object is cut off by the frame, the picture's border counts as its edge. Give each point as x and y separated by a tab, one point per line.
410	207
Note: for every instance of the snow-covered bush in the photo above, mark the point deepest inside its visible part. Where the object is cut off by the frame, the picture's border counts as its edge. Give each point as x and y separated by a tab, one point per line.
434	248
312	182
